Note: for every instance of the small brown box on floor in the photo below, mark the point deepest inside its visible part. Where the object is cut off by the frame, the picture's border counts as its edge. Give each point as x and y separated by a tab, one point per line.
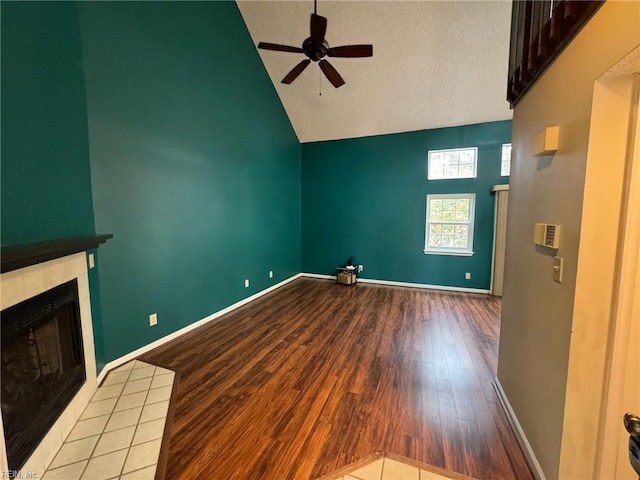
346	276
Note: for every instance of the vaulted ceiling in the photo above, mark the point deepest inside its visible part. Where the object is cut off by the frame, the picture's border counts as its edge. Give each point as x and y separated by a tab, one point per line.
434	64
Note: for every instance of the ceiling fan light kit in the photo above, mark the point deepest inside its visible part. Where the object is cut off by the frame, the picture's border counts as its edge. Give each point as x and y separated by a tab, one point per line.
316	48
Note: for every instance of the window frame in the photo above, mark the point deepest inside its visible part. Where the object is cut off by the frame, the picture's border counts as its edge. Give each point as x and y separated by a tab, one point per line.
444	150
467	252
502	162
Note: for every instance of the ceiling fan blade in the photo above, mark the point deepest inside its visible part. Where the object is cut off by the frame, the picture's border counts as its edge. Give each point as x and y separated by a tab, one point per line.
318	28
297	70
351	51
331	73
279	48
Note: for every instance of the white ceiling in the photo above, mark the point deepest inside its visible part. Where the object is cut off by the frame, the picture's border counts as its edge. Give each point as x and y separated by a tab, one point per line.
434	64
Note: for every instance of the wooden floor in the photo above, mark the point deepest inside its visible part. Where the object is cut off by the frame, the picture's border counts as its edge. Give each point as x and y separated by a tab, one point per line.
315	376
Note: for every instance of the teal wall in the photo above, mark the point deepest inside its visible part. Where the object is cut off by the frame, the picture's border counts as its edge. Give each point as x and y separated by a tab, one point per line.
45	170
45	174
366	198
195	166
196	170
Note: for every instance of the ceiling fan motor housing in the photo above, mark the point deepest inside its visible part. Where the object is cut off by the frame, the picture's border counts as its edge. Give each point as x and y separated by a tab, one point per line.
315	51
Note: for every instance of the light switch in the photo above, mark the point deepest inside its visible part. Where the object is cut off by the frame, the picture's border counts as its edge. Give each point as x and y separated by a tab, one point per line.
557	269
92	261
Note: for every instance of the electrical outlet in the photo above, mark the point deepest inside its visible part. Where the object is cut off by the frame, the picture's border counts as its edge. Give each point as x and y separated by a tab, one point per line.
270	273
153	319
246	283
467	276
92	261
360	268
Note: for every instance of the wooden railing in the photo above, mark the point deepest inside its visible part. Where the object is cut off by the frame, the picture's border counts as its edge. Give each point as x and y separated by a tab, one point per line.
540	29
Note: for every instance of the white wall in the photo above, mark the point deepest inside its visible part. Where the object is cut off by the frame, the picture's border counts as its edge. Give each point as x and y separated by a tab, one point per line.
549	329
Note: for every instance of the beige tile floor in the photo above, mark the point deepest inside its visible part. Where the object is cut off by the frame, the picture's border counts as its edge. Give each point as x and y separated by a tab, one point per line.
118	436
388	469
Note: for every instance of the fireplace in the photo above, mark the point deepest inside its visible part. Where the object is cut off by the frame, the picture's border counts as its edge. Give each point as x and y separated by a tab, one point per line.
43	366
27	271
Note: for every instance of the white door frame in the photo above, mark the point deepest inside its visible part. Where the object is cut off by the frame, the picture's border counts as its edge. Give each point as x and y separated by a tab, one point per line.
624	312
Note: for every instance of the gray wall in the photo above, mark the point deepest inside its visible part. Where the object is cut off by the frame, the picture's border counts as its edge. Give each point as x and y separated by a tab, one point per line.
539	316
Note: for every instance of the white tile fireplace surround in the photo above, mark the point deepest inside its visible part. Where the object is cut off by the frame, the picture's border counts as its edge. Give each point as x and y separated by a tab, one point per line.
22	284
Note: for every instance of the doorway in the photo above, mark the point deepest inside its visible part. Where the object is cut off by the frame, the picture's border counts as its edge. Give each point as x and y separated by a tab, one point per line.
622	387
499	238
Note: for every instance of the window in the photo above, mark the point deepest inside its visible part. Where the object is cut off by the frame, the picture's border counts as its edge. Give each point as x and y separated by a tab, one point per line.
453	163
449	228
505	165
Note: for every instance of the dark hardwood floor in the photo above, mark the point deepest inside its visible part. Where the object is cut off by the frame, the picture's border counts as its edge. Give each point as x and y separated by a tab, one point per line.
315	376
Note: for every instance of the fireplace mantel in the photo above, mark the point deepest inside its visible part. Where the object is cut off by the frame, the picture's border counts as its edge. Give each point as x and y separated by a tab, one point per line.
23	255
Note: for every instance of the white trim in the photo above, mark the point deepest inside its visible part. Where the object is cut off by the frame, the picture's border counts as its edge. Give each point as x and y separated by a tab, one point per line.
423	285
618	396
458	150
470	224
519	432
495	231
502	162
391	283
319	275
449	252
161	341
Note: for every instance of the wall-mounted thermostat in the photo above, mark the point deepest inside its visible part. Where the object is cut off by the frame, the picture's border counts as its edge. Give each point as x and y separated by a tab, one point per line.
547	235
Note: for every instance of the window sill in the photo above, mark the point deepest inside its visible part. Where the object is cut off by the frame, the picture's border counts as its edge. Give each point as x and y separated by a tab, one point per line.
448	252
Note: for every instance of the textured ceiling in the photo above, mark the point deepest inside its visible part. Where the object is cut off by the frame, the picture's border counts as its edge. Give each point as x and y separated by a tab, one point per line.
434	64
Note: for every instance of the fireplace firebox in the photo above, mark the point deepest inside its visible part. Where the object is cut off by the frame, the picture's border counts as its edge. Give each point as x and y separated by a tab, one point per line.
42	366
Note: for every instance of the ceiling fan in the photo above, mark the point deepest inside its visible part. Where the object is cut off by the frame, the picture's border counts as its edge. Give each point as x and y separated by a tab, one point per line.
316	48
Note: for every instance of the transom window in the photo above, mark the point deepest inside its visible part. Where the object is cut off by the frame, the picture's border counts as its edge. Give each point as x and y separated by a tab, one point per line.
452	163
449	226
505	165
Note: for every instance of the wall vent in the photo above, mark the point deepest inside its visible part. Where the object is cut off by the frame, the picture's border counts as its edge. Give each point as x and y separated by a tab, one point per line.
547	235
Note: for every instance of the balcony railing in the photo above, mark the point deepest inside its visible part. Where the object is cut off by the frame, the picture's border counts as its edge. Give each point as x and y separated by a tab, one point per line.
540	29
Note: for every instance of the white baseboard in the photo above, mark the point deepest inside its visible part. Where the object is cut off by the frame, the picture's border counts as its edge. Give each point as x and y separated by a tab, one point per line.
161	341
402	284
517	429
318	275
